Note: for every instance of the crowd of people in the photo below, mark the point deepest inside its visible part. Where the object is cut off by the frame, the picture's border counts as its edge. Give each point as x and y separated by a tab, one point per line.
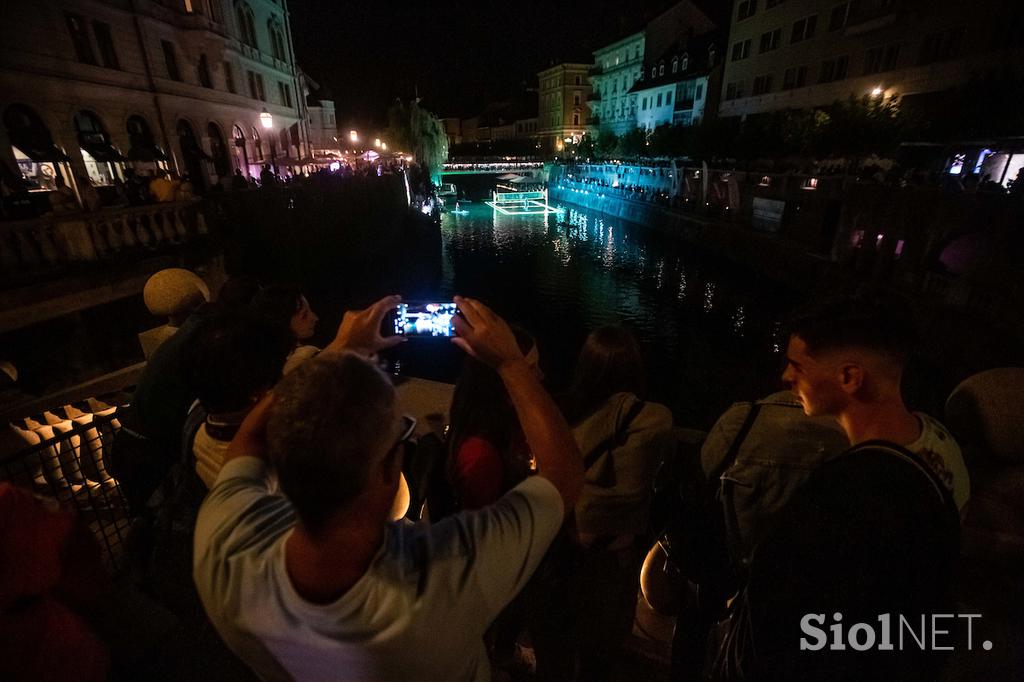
832	497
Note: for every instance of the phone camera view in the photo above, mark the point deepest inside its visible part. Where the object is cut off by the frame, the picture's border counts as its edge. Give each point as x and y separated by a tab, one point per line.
425	319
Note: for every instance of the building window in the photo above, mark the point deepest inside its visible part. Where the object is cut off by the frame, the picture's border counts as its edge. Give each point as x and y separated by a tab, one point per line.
577	80
654	72
575	119
661	69
285	91
80	38
795	77
257	145
668	97
659	100
643	104
106	44
170	60
834	69
203	69
734	90
803	29
941	46
746	9
675	64
229	78
762	84
276	39
772	3
246	24
880	59
741	50
684	63
771	40
256	86
837	19
699	93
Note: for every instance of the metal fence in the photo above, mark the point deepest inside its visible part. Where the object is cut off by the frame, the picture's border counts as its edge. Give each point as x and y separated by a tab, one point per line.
69	467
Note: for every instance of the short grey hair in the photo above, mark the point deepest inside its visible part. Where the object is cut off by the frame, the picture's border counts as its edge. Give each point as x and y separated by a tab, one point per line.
329	425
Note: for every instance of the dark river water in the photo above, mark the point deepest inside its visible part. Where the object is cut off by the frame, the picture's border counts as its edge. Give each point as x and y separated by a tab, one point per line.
710	330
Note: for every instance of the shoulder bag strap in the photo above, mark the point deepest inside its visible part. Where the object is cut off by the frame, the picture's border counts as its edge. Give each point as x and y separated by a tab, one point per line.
916	461
617	438
732	524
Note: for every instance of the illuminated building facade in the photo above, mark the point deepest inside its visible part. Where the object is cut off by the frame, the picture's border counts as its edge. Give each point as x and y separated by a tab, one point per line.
89	89
679	86
807	53
616	68
562	104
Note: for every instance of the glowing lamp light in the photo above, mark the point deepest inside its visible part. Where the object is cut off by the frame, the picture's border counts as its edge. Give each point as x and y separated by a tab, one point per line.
353	135
877	91
335	166
384	146
266	120
376	142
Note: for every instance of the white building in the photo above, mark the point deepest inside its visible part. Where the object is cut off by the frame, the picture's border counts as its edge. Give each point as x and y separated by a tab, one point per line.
90	88
616	68
676	86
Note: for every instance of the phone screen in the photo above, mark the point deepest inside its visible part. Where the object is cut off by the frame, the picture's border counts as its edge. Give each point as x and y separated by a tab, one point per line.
425	319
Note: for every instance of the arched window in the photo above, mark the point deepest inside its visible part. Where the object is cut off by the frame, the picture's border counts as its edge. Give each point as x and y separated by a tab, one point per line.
654	71
661	69
257	145
103	163
219	152
203	71
246	24
675	64
276	39
685	62
39	160
241	153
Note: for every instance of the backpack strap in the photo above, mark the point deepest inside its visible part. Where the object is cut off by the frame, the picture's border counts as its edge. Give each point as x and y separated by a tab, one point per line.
732	523
917	462
618	438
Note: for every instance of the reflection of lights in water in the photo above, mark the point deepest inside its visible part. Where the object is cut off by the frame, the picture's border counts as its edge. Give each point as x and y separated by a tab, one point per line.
682	284
738	320
661	273
776	337
709	297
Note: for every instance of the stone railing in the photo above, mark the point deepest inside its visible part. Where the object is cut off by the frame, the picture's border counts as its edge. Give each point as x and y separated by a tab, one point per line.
49	246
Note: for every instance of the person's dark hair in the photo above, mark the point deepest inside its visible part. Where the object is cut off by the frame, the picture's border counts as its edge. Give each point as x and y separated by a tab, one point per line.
481	406
329	425
877	321
237	292
609	362
233	357
278	303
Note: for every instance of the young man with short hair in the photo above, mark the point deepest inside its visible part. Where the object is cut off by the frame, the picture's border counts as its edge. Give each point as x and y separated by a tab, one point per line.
318	584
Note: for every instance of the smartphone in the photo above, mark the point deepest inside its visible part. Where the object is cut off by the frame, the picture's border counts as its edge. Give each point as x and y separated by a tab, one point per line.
426	319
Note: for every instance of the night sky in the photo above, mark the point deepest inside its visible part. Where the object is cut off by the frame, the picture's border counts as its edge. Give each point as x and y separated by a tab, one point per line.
460	55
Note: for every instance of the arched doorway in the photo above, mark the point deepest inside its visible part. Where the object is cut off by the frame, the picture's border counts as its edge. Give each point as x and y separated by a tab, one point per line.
103	163
257	154
144	154
41	163
193	155
219	152
241	153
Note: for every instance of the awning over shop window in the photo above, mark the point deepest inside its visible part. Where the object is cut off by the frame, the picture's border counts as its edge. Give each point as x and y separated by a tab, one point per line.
102	151
39	150
146	152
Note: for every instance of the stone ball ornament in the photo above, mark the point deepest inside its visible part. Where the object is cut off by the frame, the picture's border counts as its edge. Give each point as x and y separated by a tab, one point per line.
174	291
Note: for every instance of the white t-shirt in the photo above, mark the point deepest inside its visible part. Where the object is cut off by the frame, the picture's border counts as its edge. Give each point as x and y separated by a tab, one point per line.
940	450
419	612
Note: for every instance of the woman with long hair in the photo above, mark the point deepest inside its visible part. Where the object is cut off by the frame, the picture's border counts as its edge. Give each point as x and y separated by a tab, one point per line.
285	306
623	439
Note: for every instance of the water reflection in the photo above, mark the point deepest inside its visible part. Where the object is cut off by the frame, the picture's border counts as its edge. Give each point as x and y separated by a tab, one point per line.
563	275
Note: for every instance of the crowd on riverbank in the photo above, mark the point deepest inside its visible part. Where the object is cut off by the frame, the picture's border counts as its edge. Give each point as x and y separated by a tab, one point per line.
834	497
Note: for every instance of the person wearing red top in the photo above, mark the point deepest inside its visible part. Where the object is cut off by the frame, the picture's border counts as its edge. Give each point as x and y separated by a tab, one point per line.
488	454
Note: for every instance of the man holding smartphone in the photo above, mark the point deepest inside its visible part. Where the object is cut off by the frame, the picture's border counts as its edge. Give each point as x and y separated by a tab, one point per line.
318	583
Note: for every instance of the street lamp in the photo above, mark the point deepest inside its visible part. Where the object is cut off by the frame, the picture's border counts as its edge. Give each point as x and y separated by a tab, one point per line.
352	135
376	143
267	121
877	91
384	146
